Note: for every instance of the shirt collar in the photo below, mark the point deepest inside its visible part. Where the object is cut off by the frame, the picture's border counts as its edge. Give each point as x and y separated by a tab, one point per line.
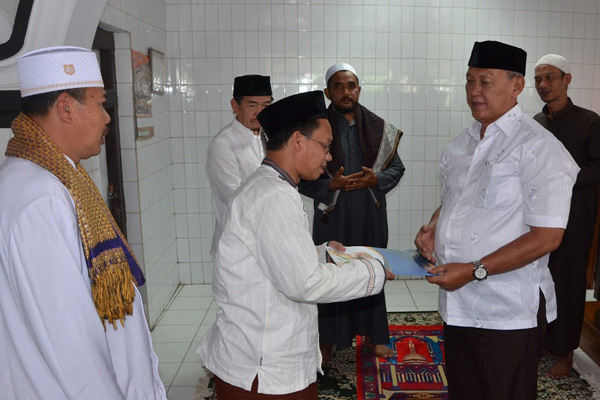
282	172
506	124
242	127
341	119
70	161
562	112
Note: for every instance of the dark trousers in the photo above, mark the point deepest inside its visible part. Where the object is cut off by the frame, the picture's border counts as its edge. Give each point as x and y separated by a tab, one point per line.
487	364
568	266
225	391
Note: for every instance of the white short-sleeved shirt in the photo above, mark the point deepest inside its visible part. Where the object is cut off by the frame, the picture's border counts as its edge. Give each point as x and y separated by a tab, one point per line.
232	156
519	175
268	279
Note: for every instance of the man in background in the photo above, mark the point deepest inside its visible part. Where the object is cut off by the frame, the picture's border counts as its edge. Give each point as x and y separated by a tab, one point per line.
72	322
268	275
350	204
506	191
237	150
578	130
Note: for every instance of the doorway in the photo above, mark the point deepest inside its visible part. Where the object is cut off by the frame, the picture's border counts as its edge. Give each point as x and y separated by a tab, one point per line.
110	161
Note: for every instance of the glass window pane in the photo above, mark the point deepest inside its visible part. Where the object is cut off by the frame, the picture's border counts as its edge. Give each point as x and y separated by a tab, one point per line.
8	11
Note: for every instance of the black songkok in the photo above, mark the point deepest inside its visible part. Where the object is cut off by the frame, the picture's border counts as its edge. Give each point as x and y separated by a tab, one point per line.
252	85
497	55
292	110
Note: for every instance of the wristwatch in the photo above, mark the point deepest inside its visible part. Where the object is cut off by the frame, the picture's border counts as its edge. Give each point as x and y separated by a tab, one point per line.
480	272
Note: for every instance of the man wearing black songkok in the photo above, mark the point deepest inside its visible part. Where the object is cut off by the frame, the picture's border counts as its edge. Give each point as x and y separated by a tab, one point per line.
237	150
506	190
268	275
350	204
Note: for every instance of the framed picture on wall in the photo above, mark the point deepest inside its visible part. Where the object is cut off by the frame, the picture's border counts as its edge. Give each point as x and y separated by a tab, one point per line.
157	65
145	132
142	84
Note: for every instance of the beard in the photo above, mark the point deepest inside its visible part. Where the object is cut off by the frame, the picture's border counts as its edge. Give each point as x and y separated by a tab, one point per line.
345	109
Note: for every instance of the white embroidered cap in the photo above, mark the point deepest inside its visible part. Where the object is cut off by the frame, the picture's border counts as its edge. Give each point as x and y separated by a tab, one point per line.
58	68
338	67
556	61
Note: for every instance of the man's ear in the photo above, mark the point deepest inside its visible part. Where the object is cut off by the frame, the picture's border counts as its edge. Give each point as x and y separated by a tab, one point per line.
326	91
298	140
234	106
64	107
567	79
519	85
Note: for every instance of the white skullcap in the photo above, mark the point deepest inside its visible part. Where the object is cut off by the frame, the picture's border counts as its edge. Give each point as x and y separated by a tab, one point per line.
556	61
338	67
58	68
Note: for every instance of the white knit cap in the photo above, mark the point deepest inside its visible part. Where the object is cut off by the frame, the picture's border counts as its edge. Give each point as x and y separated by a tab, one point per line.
338	67
58	68
556	61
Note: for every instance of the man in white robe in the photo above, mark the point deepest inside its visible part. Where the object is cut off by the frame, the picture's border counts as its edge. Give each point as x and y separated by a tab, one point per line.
56	339
237	150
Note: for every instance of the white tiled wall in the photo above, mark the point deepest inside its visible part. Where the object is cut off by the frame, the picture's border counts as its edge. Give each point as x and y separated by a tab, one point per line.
411	59
5	135
147	164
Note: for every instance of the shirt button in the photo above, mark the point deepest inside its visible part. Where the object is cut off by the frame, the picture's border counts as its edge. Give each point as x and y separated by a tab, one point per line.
483	195
532	194
534	308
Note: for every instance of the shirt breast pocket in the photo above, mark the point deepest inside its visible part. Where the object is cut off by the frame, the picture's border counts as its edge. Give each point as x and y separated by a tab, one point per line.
498	186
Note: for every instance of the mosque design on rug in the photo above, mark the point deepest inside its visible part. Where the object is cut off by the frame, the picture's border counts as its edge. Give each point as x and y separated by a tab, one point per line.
339	381
416	369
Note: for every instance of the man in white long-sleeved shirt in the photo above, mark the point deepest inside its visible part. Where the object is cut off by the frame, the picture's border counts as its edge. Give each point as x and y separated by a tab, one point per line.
237	150
268	276
72	323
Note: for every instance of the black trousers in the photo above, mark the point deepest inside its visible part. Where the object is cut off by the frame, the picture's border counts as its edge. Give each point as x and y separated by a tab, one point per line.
489	364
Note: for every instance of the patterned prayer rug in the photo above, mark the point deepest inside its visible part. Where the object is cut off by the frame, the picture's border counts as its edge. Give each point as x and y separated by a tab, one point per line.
416	370
340	379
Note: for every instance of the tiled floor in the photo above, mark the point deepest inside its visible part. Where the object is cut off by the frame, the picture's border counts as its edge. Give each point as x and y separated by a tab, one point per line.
193	311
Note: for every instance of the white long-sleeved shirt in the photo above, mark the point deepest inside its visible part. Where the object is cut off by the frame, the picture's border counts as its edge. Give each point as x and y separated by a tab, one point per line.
232	156
267	282
52	342
493	190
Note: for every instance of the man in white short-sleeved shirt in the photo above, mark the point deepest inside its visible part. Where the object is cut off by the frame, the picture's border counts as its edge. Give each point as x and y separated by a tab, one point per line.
268	277
236	151
506	191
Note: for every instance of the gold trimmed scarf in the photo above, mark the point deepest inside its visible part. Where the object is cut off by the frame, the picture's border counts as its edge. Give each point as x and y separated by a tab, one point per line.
111	264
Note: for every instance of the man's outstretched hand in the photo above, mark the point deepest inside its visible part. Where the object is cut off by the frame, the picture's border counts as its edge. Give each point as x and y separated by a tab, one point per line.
338	181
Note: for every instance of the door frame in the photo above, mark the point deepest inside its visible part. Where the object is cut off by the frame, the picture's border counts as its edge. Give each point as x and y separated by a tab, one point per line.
104	44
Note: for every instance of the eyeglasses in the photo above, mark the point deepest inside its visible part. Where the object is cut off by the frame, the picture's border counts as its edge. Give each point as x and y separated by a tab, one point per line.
326	147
